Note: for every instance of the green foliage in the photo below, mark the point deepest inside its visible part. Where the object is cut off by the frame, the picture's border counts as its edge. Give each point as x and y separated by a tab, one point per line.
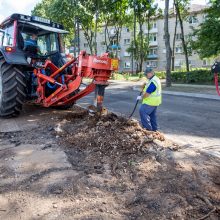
161	74
195	76
139	48
42	9
208	41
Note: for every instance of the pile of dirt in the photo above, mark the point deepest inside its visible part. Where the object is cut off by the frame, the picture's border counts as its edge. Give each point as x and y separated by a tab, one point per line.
110	134
145	172
77	165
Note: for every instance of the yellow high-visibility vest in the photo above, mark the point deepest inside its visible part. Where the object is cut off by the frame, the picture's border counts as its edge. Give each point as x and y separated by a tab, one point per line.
155	97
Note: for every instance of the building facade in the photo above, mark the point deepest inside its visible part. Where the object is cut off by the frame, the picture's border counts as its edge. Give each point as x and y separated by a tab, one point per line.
157	51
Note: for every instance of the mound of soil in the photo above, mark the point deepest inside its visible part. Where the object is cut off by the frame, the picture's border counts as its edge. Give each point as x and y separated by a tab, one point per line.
78	165
150	177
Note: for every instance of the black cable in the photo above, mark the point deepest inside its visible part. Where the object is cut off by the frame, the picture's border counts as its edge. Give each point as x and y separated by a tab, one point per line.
134	107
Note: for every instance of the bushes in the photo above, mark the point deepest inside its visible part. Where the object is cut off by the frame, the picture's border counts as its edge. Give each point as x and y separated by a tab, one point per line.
197	76
127	76
161	75
194	76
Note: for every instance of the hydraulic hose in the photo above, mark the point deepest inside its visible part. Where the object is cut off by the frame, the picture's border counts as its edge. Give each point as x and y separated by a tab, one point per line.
216	84
216	70
135	107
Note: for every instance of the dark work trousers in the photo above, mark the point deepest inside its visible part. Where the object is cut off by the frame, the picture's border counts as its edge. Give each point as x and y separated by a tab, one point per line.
148	117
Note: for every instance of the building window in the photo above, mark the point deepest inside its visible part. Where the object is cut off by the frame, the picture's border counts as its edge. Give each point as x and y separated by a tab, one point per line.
85	45
193	19
179	49
126	41
154	25
127	54
206	62
178	63
191	63
178	36
153	51
127	30
127	65
153	37
152	64
113	31
204	17
113	42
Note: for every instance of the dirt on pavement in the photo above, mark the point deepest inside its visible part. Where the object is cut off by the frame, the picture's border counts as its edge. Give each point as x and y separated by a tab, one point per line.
74	165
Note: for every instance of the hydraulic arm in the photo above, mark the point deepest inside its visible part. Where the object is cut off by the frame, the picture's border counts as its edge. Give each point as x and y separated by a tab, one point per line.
64	82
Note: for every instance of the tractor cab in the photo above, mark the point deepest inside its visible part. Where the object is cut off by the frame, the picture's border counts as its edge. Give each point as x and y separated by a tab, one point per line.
26	42
26	38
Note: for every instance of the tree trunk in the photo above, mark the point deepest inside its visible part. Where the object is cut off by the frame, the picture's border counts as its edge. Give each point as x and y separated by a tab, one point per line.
174	43
167	43
96	26
134	44
182	37
141	47
78	35
89	38
106	44
75	36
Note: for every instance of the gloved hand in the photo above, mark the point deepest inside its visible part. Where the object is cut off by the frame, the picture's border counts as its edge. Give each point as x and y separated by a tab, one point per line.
139	97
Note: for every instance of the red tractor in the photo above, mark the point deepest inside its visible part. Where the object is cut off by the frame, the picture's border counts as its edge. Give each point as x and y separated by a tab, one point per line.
33	67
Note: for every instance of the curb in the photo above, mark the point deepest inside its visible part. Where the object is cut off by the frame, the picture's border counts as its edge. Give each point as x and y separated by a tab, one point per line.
185	94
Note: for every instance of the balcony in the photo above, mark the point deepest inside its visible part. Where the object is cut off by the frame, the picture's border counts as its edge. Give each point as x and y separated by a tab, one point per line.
112	33
115	47
152	56
151	31
153	43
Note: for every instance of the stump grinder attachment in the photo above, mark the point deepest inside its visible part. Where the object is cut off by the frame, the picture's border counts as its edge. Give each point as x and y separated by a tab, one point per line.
65	81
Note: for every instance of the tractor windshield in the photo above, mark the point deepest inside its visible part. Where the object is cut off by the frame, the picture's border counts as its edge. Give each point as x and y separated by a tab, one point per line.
46	43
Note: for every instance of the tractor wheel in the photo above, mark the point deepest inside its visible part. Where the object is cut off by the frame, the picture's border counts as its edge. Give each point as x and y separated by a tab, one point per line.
12	89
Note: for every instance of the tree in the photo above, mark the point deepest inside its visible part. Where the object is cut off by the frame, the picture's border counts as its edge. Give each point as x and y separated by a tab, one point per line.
111	20
181	6
143	12
174	40
58	11
42	9
70	13
208	42
167	44
139	49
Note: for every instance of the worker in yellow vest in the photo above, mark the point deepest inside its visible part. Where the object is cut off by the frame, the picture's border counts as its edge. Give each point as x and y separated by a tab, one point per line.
151	98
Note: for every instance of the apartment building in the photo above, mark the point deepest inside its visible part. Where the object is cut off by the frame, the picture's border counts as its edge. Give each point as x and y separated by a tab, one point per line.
157	52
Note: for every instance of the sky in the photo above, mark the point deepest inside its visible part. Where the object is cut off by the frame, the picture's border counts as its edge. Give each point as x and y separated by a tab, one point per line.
8	7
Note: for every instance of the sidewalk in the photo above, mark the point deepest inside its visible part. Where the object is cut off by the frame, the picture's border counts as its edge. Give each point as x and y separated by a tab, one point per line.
187	90
193	95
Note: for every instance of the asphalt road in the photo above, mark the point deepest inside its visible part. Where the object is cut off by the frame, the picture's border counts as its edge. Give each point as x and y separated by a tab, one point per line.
193	122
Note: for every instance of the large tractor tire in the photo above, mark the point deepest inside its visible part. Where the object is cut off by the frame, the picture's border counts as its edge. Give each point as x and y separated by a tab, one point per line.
12	89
